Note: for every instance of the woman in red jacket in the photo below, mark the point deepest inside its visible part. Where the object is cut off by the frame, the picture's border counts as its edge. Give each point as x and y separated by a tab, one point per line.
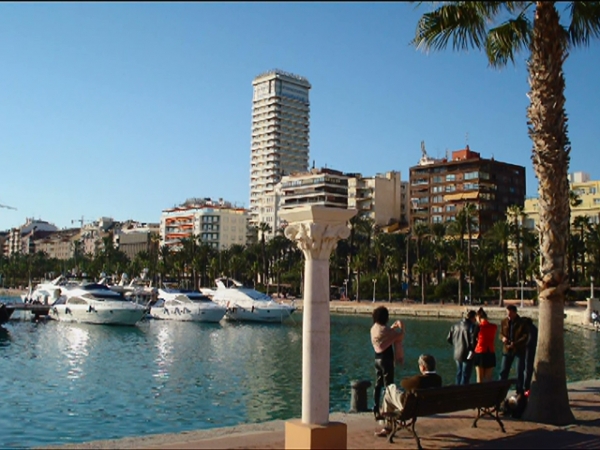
485	353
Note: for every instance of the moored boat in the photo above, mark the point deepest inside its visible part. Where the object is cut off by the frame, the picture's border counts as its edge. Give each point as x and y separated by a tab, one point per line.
184	305
96	304
246	304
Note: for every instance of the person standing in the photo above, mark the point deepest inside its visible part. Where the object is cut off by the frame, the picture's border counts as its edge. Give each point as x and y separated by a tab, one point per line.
513	334
484	357
462	337
384	339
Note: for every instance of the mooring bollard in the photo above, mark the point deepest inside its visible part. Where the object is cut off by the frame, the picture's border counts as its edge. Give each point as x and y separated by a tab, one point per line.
358	399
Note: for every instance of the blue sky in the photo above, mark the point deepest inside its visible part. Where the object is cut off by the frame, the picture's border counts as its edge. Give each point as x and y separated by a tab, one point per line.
125	109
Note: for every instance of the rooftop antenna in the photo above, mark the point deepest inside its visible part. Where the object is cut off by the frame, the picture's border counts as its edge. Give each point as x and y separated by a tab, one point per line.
467	139
313	164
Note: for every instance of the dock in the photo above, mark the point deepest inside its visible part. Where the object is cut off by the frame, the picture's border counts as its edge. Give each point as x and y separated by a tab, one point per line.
7	310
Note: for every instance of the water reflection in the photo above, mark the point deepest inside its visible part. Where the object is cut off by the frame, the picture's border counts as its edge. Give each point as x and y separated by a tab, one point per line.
166	377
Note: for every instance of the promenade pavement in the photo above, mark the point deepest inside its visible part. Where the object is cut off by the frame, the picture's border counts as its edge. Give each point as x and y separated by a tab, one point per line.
436	432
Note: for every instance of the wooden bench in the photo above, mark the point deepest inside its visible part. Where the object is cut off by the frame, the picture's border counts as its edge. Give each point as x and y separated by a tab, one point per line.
486	398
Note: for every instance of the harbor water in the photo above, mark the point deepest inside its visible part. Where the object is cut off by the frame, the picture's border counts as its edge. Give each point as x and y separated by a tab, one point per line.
67	383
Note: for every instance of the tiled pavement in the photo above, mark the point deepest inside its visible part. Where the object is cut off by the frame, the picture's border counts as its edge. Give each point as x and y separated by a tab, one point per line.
443	431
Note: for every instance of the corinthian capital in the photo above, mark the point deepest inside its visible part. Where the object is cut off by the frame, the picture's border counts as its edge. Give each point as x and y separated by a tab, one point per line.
316	240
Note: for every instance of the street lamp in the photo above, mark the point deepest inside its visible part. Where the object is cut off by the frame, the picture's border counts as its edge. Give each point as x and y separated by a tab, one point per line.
592	286
522	283
346	288
469	280
374	283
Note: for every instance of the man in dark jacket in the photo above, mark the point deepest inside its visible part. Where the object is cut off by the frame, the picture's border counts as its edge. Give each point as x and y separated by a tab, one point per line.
514	334
462	336
395	398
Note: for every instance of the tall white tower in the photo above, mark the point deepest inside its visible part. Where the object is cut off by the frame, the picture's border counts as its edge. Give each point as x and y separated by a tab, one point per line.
280	134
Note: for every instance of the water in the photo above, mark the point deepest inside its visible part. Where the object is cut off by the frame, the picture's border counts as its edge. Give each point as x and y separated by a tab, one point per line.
67	383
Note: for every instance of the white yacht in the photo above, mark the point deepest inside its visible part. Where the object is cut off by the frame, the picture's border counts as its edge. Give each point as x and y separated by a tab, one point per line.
247	304
97	304
47	292
186	305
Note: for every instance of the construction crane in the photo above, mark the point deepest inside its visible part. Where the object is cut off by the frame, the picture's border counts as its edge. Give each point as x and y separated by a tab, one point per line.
7	207
81	221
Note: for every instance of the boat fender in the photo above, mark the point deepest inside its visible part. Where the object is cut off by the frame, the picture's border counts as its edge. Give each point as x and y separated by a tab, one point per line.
177	311
252	308
186	311
166	311
67	311
55	310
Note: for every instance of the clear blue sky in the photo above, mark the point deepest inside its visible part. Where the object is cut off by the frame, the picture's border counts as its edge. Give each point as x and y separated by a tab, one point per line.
124	110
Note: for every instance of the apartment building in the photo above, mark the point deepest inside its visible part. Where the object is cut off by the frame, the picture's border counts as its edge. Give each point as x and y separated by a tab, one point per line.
323	187
439	188
381	197
218	223
21	239
588	195
280	138
59	244
134	237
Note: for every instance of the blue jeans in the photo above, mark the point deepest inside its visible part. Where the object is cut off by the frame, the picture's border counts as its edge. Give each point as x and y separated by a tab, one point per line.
507	360
463	372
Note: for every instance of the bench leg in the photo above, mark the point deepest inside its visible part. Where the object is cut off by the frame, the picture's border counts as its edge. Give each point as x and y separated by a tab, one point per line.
492	412
401	424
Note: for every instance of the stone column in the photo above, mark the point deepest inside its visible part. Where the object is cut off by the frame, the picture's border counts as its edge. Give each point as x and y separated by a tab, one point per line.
316	230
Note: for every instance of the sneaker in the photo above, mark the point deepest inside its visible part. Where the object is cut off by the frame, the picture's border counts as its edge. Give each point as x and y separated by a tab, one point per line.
383	432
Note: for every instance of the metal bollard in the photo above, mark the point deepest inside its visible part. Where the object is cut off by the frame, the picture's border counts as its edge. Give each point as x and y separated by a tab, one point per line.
358	399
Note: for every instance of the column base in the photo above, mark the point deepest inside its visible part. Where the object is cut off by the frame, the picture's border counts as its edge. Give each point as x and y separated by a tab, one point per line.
298	435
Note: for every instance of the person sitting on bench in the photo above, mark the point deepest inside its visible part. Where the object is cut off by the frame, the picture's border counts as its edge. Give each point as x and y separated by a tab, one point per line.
394	398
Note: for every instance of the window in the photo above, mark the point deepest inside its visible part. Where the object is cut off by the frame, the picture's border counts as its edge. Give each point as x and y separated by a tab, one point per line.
437	209
437	199
471	175
436	219
437	179
450	208
437	189
450	188
450	177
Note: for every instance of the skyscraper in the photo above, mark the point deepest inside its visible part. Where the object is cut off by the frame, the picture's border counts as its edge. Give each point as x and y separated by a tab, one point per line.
280	133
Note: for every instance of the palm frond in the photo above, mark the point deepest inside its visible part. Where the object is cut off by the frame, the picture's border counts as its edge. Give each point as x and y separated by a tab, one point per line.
507	39
465	23
585	22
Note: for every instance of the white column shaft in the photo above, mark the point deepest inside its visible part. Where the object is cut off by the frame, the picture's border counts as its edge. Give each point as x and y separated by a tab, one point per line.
315	342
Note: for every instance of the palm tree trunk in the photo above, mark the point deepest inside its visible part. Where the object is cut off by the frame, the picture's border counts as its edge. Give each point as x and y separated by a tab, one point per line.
389	277
423	288
549	401
460	299
501	298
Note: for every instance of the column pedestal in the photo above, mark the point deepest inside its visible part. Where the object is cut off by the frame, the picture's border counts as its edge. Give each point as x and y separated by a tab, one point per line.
300	435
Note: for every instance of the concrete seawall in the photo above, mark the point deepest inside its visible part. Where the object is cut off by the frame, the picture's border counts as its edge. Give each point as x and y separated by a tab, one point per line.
574	315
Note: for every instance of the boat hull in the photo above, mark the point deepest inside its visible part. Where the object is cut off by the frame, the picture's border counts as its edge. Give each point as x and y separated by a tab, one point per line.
5	313
271	315
188	314
105	315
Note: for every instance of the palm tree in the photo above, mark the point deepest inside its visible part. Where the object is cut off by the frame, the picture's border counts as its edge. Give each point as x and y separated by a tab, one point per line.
515	212
389	266
423	267
500	235
499	266
264	229
536	26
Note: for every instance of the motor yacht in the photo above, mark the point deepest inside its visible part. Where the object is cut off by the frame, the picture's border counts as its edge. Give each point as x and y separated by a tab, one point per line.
246	304
185	305
46	292
96	304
